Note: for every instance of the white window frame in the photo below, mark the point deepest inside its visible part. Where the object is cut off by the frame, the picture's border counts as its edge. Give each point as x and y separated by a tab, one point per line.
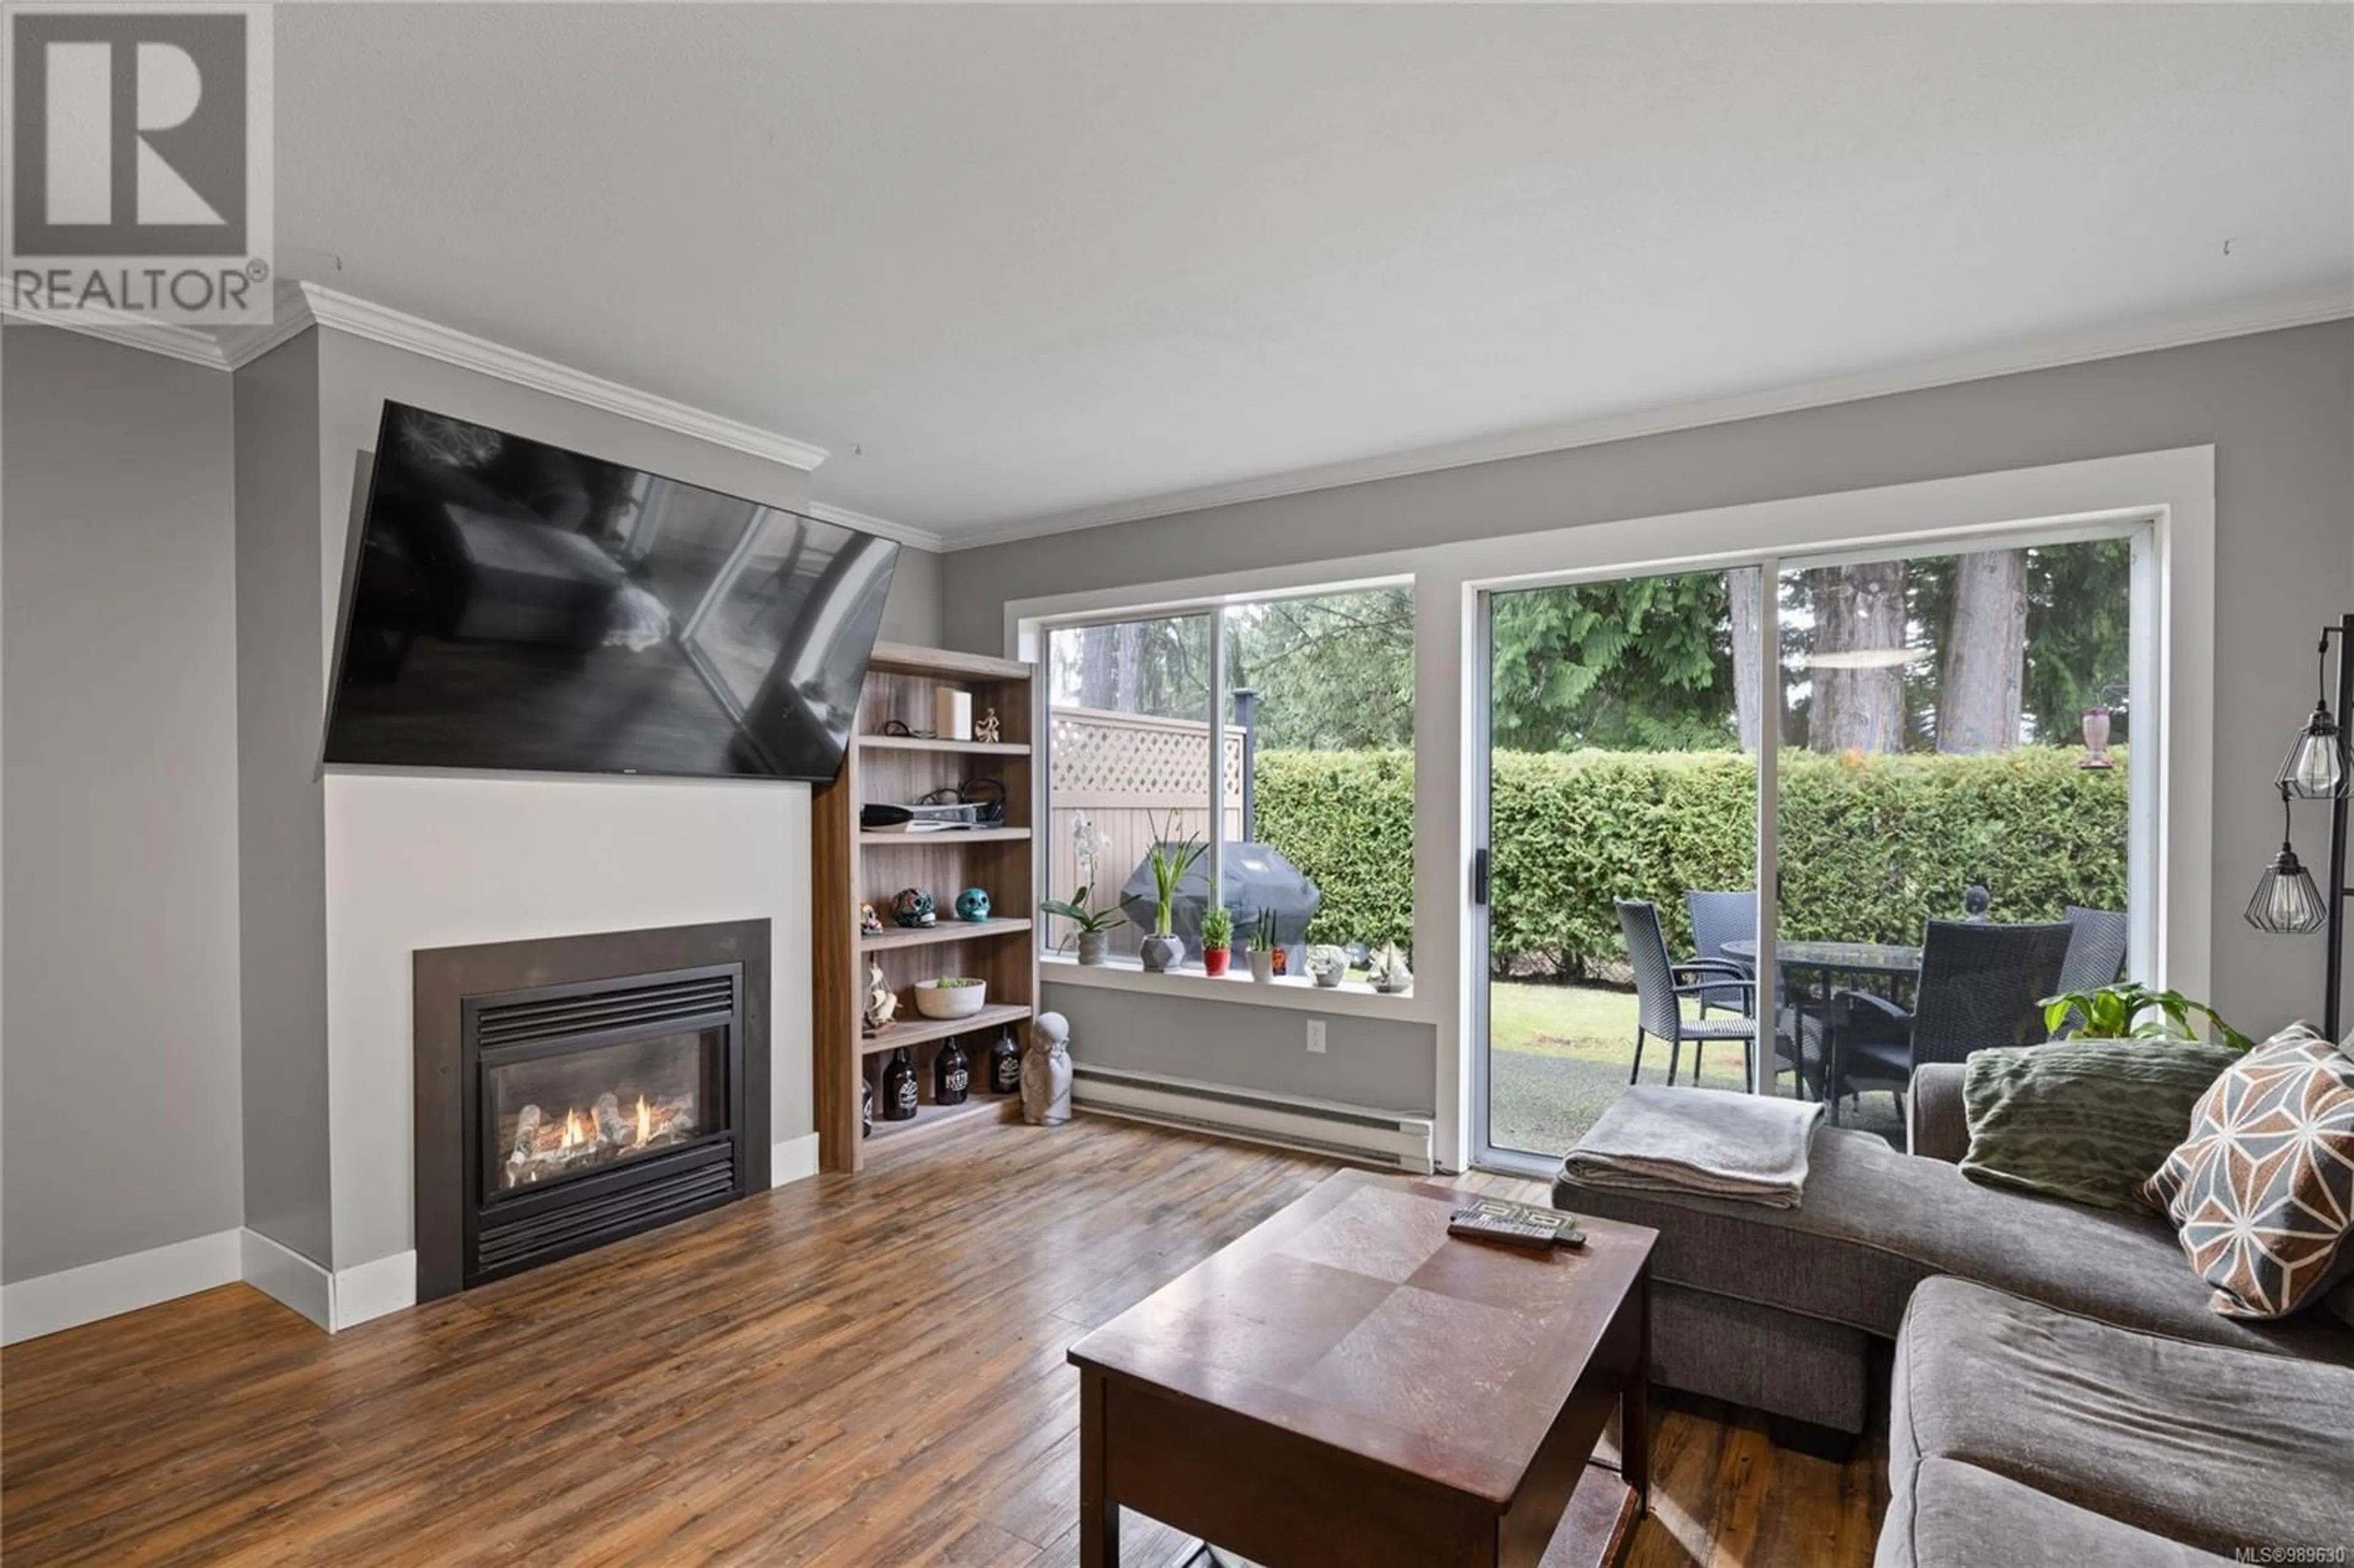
2175	488
1033	638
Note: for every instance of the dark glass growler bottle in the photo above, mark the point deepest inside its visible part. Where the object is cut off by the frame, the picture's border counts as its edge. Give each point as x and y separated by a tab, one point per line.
899	1092
1006	1066
951	1074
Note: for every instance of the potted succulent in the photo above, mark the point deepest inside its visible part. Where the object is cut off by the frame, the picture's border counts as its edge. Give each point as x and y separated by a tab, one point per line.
1262	946
2111	1013
954	996
1218	940
1171	858
1095	927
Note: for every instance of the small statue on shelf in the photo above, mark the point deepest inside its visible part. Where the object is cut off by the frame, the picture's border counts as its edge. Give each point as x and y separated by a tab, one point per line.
882	1001
1388	971
913	909
870	924
1046	1072
985	729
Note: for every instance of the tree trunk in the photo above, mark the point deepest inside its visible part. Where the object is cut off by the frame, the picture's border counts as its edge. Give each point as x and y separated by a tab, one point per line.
1856	666
1096	666
1130	696
1985	654
1744	591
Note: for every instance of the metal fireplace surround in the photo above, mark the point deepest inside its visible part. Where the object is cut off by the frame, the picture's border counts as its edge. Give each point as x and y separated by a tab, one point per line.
509	1008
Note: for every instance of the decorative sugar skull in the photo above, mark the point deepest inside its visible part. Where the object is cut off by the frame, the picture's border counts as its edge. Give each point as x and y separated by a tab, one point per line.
913	909
973	904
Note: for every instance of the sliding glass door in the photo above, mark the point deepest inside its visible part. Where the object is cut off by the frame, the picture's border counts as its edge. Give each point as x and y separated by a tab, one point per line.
1621	840
1923	760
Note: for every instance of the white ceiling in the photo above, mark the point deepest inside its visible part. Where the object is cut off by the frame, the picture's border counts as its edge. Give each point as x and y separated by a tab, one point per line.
1014	264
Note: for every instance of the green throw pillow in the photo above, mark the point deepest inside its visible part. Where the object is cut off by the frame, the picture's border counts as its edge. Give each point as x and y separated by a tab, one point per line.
2084	1119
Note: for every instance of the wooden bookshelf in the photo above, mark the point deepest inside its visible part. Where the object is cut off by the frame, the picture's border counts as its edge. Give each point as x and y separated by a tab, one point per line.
851	866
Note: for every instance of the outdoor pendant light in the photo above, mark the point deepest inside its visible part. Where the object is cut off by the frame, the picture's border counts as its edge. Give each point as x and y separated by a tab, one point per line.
2286	898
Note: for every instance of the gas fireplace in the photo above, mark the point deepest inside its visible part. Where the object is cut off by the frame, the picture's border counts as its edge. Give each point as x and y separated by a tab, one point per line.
565	1113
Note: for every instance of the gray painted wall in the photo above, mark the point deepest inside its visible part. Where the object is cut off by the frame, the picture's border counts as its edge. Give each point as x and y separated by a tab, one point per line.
912	613
1374	1062
2277	407
120	984
282	856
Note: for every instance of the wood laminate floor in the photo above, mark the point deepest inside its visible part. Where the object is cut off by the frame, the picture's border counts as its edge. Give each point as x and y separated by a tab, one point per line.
851	1370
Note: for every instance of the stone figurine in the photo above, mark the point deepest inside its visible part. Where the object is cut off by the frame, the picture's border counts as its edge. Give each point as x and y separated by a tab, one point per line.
985	729
1387	970
1046	1072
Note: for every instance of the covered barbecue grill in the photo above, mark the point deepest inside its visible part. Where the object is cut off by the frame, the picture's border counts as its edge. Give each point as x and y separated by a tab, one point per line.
1256	878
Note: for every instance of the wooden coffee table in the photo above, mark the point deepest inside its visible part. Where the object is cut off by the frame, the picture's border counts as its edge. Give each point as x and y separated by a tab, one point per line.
1349	1384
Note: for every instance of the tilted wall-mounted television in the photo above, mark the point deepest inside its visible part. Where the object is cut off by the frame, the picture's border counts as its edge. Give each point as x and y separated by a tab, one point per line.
512	605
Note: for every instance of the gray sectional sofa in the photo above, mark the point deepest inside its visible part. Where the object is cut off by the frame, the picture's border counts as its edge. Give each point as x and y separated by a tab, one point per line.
2056	1387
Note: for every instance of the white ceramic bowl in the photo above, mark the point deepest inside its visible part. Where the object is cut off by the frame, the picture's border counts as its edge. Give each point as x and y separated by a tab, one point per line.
934	1000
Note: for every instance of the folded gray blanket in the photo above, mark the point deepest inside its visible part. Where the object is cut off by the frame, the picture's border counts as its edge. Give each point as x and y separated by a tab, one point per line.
1717	1143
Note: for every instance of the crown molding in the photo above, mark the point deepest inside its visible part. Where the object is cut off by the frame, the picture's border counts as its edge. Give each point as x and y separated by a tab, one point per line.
297	307
381	323
191	345
2143	336
921	538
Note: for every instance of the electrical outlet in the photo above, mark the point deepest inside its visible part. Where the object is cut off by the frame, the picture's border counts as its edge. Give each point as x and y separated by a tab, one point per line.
1316	1036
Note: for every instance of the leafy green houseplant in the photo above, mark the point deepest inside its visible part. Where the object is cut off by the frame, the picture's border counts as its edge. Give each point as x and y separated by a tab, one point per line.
2131	1010
1170	858
1094	927
1217	939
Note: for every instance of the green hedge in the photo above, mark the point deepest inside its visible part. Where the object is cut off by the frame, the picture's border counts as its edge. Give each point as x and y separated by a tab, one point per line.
1871	847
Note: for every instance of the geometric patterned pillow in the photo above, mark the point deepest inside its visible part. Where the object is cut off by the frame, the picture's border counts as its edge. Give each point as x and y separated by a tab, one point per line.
2261	1193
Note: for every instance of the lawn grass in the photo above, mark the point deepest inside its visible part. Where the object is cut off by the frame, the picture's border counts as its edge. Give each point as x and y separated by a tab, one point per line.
1559	1054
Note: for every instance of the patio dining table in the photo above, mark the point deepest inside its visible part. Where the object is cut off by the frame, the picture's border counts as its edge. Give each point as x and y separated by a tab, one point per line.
1832	960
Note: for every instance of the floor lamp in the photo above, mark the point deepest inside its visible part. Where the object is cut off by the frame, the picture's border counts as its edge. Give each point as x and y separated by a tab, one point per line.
2318	767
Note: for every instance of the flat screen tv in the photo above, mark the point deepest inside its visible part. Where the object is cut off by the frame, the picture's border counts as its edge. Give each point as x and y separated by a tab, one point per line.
513	605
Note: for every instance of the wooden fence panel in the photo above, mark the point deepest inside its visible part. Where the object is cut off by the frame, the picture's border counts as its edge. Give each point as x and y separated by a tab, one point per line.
1126	774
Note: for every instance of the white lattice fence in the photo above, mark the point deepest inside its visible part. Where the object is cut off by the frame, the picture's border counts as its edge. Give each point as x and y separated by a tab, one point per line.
1126	773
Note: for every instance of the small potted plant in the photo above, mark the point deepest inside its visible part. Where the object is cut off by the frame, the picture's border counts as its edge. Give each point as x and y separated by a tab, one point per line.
1218	940
1095	927
1171	858
1262	946
2114	1012
954	996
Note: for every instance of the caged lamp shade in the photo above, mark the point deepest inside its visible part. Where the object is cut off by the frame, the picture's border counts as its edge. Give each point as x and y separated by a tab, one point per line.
2315	767
2286	899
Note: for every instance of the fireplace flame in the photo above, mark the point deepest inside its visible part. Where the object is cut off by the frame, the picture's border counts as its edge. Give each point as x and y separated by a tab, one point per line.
645	1123
573	1135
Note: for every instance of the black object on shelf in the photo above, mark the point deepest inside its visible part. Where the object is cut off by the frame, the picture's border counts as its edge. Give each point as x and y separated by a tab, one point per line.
951	1073
866	1106
2317	768
1006	1066
900	1095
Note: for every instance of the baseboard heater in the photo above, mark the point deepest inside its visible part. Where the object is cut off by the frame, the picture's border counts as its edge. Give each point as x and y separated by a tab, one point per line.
1393	1140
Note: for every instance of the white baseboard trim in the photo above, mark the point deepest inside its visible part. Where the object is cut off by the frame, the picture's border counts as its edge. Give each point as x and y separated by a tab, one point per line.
794	1159
288	1277
32	1307
373	1289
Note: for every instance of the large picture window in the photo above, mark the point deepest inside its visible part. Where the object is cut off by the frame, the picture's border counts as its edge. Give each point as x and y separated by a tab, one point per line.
1286	721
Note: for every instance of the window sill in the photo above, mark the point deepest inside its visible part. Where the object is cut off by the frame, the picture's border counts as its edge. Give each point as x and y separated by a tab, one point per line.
1296	992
